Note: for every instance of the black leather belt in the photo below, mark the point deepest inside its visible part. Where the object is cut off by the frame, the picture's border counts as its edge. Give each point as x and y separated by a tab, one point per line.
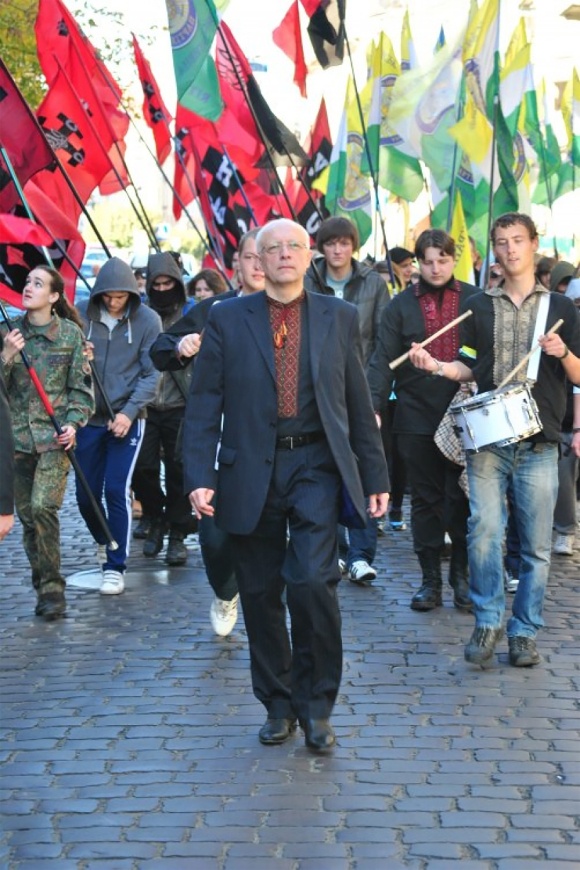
290	442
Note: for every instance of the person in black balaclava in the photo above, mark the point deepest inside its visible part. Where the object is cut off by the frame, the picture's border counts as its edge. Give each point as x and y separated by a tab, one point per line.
164	510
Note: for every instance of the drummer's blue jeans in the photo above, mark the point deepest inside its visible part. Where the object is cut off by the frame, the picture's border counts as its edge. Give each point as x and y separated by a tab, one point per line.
532	470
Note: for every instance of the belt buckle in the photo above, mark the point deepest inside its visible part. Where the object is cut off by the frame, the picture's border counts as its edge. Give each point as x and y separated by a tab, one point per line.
291	442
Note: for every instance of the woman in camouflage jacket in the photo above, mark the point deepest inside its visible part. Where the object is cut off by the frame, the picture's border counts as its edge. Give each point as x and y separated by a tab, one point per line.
50	333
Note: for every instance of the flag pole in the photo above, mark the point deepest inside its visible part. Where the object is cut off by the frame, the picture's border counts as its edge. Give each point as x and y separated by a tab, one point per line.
372	171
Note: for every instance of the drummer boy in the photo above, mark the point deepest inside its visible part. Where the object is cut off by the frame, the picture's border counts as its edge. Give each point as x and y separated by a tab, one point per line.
494	340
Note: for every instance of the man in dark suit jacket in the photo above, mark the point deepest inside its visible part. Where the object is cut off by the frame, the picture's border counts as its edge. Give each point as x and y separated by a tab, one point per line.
279	386
6	462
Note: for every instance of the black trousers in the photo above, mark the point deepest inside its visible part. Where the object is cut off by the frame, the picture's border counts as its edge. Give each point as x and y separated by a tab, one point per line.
217	553
438	504
296	673
159	443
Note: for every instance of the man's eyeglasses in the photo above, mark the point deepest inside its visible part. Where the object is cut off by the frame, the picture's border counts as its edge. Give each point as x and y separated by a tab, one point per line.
276	247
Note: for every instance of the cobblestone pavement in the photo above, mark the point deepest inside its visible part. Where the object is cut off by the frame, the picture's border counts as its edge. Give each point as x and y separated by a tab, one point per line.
129	733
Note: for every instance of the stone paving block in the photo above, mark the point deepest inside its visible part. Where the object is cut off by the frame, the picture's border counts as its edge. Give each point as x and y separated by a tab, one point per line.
113	852
36	851
145	731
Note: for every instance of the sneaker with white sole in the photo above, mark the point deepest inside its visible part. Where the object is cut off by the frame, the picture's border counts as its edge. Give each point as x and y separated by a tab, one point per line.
342	567
362	573
511	582
564	545
223	615
113	583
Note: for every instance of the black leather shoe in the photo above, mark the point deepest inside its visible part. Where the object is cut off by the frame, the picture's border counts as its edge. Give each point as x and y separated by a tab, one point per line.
319	734
428	597
275	731
176	550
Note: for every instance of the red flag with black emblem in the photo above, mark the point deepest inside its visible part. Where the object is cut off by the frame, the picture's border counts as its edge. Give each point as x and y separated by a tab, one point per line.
62	46
80	138
21	138
154	110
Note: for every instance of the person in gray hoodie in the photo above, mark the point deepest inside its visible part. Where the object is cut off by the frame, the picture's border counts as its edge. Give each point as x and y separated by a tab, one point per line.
166	508
119	332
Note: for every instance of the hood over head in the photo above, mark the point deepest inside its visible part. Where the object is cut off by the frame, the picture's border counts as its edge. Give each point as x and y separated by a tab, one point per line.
117	275
560	271
164	264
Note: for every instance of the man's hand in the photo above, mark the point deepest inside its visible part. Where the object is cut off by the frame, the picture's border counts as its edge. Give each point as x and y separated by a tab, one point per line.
378	504
189	345
552	345
422	359
120	426
200	500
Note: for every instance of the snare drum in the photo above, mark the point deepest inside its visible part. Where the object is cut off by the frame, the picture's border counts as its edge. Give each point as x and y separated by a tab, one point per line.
496	418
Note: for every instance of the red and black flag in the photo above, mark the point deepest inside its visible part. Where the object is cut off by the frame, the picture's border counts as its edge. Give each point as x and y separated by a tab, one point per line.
155	112
18	258
309	203
80	137
62	47
326	30
242	94
21	138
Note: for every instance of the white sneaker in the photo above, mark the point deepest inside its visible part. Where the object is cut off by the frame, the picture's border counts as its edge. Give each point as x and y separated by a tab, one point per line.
101	555
511	582
362	573
223	615
564	545
342	566
113	583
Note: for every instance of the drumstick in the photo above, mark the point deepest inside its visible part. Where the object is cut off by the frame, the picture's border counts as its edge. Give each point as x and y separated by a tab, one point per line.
405	356
523	361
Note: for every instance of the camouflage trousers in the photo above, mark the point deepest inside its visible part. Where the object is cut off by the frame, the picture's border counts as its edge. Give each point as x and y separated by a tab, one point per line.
39	488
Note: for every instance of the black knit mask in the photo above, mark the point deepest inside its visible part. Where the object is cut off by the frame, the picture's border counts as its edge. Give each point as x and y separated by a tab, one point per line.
164	300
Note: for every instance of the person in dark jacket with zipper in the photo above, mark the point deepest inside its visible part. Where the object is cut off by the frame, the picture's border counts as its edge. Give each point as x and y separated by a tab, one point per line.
338	273
120	331
166	510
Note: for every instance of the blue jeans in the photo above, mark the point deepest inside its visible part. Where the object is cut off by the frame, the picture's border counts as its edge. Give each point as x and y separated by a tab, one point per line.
531	471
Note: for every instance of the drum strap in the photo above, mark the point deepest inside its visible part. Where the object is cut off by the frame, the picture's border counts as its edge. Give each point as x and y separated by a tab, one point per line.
539	329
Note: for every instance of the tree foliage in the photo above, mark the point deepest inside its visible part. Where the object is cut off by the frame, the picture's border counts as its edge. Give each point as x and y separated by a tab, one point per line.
18	48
